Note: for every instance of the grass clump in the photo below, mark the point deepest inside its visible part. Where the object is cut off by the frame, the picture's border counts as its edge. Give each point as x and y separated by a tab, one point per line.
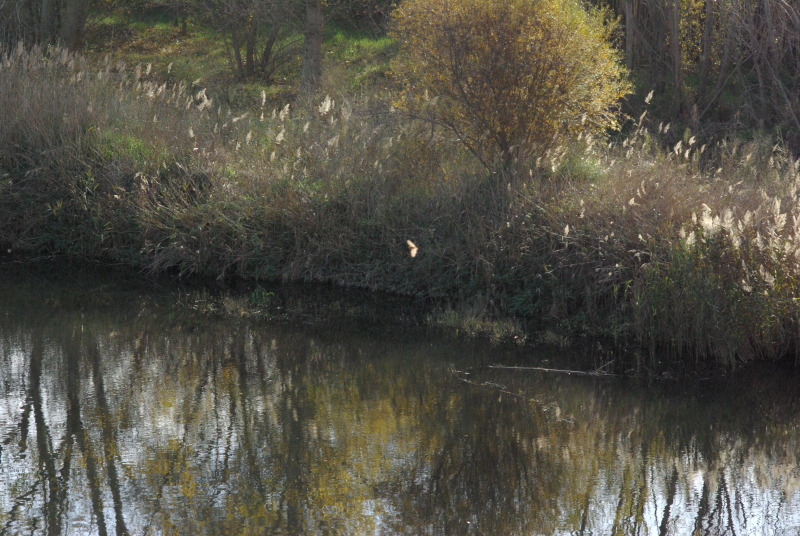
683	257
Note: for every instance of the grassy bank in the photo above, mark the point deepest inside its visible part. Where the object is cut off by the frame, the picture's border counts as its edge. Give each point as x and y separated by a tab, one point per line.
682	256
356	59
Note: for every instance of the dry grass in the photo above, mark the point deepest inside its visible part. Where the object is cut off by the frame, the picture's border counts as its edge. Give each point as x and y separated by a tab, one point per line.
692	255
686	256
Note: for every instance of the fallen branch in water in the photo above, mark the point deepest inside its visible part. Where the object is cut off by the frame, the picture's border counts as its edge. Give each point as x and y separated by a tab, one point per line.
556	371
490	385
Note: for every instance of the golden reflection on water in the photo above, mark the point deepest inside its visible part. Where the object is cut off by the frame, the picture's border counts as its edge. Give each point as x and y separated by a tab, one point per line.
119	415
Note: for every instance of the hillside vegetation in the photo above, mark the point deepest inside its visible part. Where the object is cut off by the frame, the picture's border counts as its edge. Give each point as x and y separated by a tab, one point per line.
678	251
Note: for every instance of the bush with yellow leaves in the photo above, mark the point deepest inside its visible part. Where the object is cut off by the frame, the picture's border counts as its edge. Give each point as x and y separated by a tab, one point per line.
511	78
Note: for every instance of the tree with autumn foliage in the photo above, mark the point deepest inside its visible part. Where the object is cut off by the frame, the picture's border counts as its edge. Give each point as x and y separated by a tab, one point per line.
511	78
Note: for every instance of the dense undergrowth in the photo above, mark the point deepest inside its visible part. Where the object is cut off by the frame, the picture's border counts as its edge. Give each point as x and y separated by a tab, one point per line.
683	257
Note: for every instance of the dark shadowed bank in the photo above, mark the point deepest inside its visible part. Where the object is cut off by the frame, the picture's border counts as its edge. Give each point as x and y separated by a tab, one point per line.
681	257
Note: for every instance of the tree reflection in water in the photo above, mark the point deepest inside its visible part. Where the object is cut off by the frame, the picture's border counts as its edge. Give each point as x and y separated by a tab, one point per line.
119	415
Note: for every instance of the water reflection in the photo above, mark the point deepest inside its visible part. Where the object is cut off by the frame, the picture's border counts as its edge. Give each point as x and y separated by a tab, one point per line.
120	415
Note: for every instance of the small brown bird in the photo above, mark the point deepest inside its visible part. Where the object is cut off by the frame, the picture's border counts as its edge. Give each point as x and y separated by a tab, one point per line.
412	248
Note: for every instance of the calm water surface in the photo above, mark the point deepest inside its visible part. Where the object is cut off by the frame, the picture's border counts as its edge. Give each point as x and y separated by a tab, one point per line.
122	413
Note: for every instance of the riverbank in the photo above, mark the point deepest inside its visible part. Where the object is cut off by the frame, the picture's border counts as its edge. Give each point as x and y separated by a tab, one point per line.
682	257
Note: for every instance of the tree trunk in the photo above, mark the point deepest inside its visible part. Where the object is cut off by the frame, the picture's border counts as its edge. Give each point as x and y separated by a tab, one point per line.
725	64
48	21
312	51
236	44
759	49
73	22
651	30
629	24
267	61
250	50
705	54
675	53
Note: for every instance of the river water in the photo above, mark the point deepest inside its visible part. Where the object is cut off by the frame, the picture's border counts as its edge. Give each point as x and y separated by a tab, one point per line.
128	411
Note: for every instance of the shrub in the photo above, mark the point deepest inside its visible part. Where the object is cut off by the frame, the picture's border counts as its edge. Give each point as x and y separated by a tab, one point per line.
511	78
